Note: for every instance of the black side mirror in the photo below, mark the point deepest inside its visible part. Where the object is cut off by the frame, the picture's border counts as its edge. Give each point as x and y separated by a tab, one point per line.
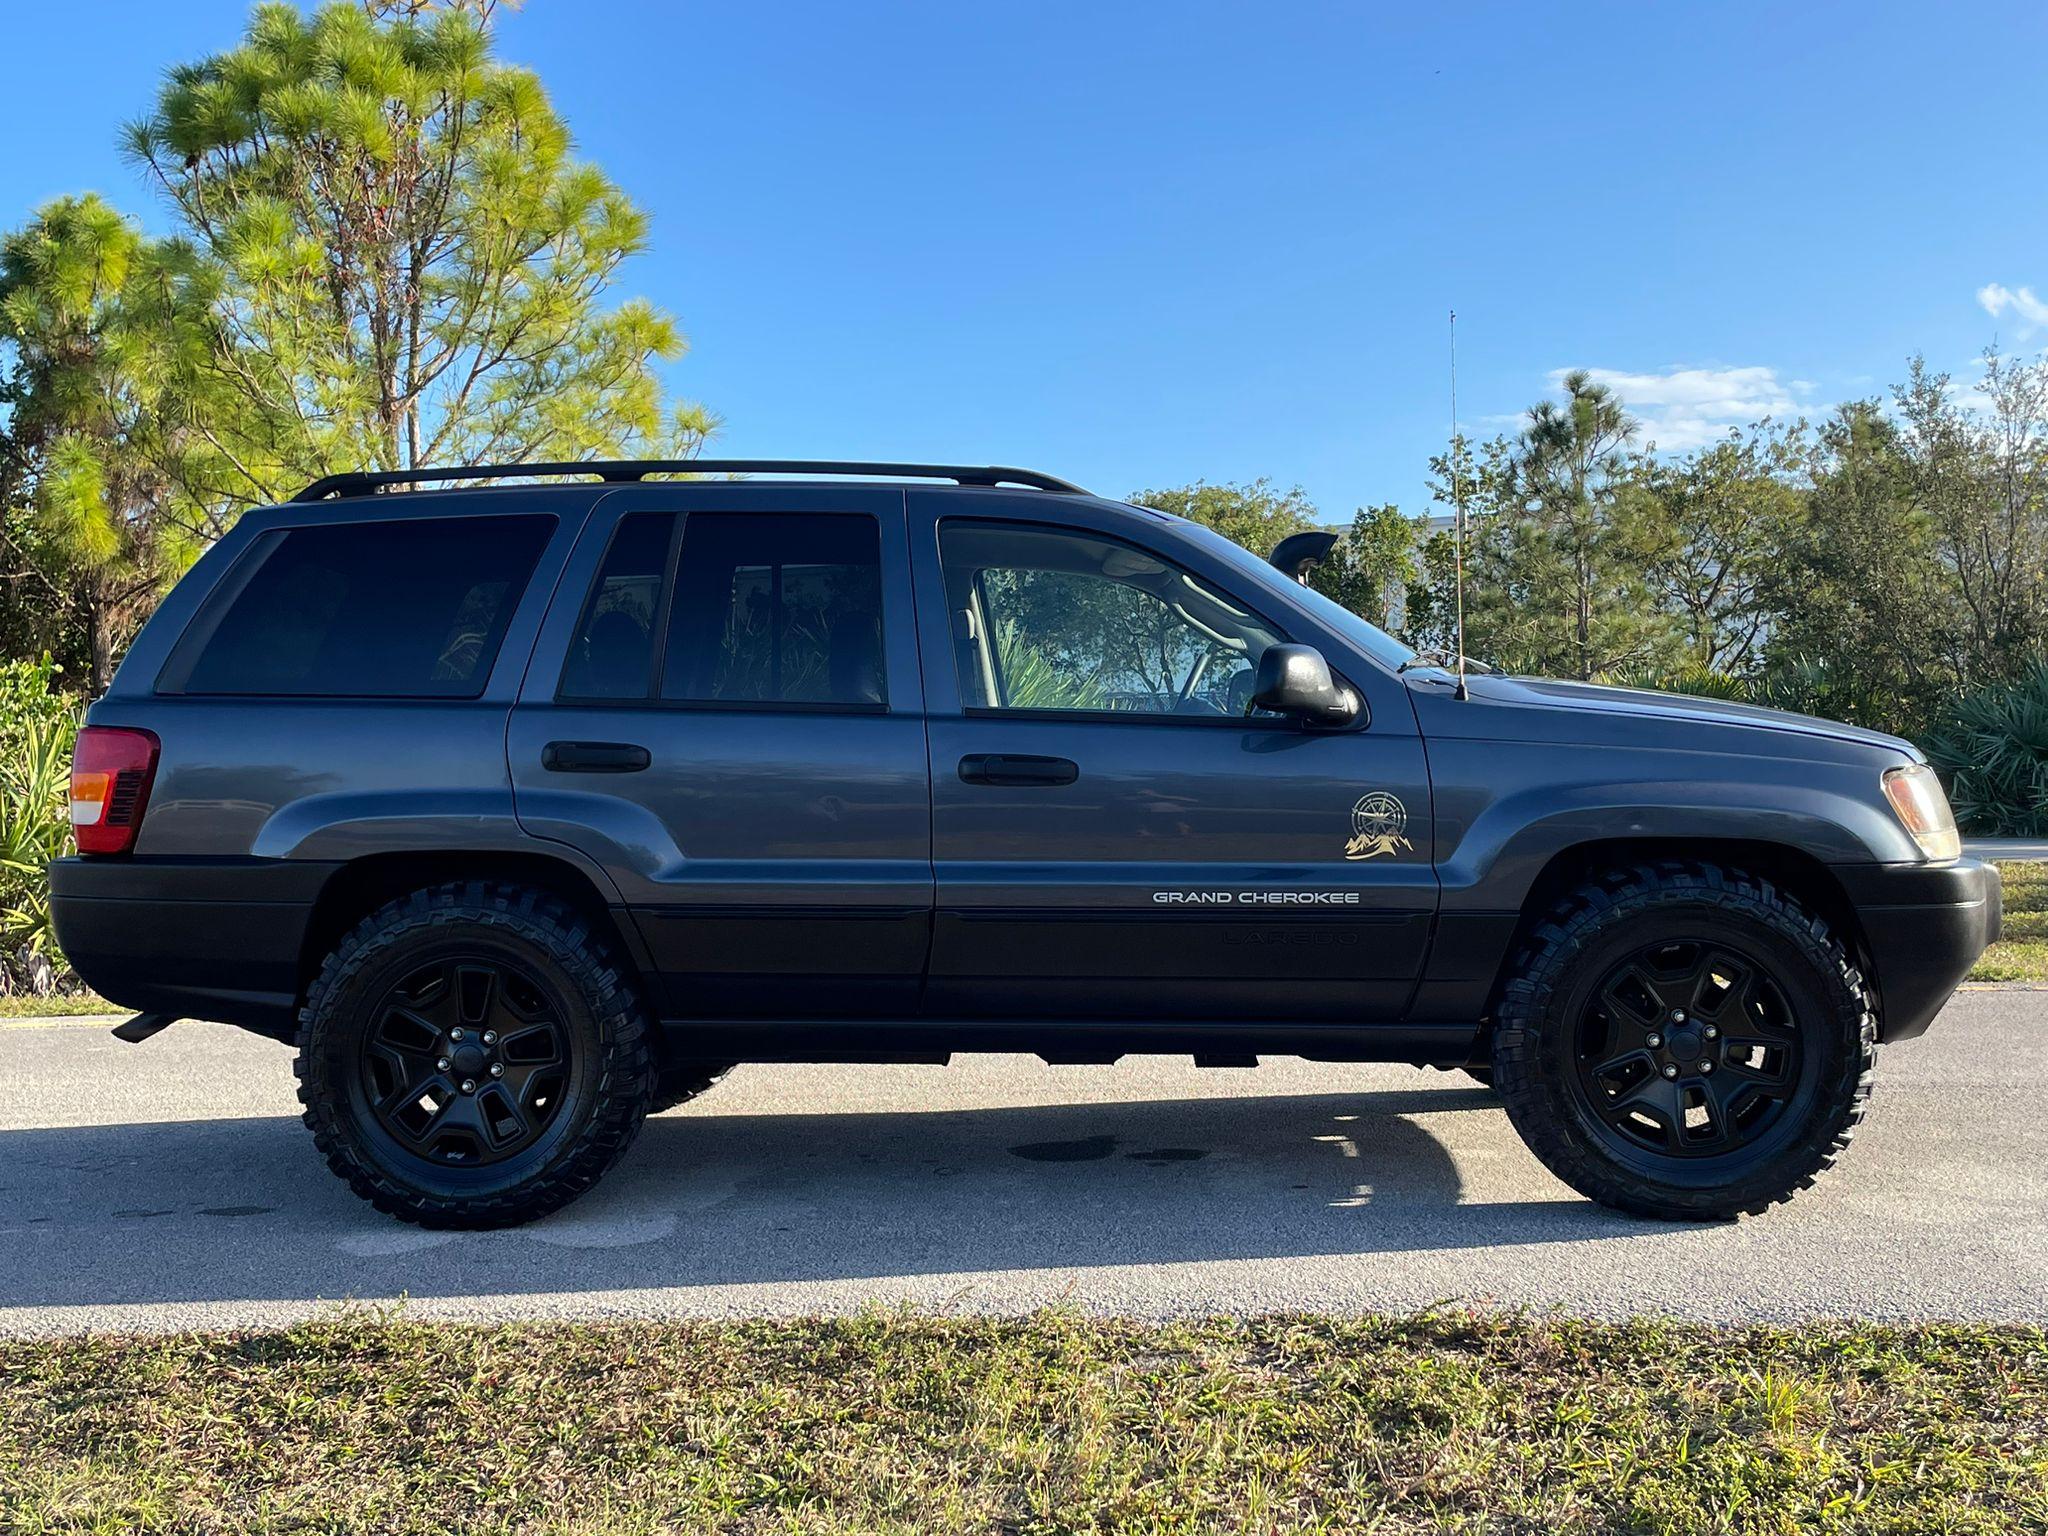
1295	680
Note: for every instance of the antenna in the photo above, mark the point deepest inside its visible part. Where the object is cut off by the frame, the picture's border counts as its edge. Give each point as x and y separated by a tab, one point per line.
1458	516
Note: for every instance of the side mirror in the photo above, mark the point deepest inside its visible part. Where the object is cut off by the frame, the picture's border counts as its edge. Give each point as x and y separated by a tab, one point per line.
1295	680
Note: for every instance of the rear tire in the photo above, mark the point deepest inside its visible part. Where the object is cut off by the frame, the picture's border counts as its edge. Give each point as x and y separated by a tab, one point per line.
474	1055
678	1082
1684	1041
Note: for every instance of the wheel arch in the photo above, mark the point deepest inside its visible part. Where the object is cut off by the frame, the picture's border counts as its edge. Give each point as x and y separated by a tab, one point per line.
359	887
1792	869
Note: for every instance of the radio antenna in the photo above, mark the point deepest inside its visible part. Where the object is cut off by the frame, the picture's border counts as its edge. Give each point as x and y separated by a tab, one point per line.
1457	517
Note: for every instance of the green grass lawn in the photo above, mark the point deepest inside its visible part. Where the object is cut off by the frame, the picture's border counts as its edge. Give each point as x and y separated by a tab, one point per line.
905	1423
26	1005
2022	953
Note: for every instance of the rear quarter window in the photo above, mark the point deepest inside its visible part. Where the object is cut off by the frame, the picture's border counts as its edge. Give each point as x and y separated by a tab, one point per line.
414	608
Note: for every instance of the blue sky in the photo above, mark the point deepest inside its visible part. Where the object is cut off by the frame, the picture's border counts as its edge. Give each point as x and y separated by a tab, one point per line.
1137	244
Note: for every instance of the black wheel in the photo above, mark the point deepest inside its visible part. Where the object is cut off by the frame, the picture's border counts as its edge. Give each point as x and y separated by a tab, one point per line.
1685	1041
473	1056
678	1082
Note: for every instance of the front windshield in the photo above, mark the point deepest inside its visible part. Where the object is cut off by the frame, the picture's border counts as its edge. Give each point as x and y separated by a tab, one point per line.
1369	638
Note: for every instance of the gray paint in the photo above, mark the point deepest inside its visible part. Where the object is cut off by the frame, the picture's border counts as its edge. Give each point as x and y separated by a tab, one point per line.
820	865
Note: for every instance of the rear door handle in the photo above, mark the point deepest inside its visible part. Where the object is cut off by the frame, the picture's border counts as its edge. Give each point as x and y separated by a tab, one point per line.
594	757
1007	769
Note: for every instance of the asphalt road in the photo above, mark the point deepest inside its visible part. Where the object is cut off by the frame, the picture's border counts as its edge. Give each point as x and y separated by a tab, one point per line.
170	1185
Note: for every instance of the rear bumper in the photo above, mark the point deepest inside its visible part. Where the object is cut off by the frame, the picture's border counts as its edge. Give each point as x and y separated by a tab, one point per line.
195	938
1925	925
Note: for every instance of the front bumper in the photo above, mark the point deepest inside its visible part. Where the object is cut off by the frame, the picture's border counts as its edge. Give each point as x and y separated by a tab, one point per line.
1924	925
195	938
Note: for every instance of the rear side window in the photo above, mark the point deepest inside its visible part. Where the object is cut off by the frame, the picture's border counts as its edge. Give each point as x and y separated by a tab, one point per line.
612	654
413	608
781	608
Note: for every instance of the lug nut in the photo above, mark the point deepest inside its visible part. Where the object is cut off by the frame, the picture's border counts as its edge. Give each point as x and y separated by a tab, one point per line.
1710	1032
455	1034
1706	1066
1678	1015
1653	1041
1668	1072
497	1069
490	1037
443	1064
469	1085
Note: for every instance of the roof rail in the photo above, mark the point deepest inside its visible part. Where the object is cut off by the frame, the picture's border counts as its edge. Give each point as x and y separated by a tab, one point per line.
625	471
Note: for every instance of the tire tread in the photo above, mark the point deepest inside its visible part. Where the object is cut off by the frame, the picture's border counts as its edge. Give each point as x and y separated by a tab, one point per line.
622	1080
1542	968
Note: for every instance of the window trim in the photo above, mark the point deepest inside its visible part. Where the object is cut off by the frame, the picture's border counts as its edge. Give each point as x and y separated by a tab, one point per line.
658	673
1133	716
657	625
173	679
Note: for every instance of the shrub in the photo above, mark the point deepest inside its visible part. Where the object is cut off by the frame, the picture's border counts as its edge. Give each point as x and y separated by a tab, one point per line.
37	724
1992	749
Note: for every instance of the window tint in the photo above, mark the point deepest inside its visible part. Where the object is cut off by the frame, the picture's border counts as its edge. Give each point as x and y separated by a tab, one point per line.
612	654
1044	619
414	608
777	609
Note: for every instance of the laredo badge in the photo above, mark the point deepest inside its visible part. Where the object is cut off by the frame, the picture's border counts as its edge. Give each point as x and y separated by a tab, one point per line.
1377	824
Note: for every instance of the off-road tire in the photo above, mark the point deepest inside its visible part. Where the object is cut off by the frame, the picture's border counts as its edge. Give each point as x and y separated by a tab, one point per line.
678	1082
602	1011
1600	920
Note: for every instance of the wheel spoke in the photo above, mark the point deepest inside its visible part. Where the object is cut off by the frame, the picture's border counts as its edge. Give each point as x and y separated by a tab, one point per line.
1721	989
1634	997
405	1031
537	1046
476	991
1656	1096
405	1079
498	1113
1759	1071
1621	1065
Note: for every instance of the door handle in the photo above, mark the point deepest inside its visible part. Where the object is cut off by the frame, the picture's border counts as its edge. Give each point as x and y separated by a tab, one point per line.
594	757
1008	769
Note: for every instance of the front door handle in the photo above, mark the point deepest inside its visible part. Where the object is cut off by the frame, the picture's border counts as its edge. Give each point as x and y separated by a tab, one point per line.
1009	769
594	757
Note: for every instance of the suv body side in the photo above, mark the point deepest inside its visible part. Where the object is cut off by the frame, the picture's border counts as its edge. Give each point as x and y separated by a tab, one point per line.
827	883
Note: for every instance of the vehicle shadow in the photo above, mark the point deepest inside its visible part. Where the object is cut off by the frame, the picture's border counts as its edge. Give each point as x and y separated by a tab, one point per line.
244	1210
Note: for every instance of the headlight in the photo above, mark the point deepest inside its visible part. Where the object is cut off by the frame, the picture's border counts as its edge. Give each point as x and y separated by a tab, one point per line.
1915	793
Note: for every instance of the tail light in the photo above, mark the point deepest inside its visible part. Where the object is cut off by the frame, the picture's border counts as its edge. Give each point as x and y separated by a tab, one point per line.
111	771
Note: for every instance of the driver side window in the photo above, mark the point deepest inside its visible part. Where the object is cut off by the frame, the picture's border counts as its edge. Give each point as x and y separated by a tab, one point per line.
1052	620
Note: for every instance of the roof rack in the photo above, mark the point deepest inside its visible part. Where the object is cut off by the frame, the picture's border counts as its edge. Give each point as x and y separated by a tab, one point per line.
625	471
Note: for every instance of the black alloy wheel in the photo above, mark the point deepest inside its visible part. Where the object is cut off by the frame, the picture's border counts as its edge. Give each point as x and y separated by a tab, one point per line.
474	1055
1688	1050
1684	1040
467	1063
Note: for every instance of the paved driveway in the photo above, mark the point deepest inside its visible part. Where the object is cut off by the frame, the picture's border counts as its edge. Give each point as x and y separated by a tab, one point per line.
169	1185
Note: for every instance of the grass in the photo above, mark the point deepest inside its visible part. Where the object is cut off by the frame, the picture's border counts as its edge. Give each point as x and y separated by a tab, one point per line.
911	1423
61	1005
2021	954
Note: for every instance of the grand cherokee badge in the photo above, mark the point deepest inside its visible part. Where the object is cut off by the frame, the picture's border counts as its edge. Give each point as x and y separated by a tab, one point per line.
1377	822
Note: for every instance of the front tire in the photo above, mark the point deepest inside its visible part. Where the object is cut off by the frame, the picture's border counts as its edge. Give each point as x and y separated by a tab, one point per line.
1685	1041
473	1055
678	1082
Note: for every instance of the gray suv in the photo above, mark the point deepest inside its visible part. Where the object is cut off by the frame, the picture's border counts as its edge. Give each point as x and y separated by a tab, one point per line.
523	810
